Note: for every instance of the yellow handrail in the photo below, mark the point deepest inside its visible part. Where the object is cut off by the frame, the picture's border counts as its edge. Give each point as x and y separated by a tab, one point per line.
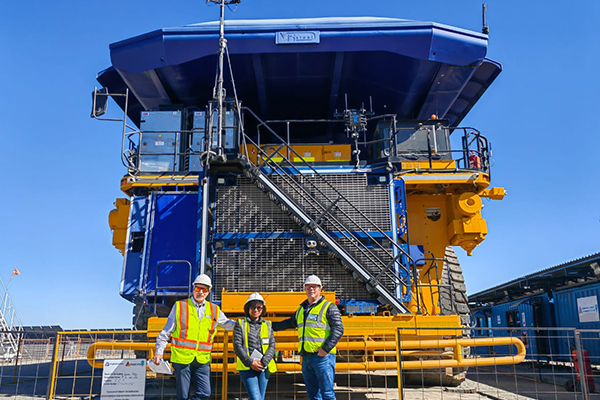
407	347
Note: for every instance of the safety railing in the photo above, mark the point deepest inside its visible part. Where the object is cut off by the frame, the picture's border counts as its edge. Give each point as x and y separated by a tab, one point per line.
498	363
426	141
365	355
434	360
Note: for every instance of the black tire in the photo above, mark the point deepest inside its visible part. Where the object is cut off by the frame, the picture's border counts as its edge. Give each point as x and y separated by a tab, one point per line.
452	301
453	292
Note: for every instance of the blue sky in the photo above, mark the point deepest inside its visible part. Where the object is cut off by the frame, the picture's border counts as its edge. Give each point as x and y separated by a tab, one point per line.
61	169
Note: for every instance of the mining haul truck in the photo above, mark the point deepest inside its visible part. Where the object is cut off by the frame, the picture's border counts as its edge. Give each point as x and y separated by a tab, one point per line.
327	146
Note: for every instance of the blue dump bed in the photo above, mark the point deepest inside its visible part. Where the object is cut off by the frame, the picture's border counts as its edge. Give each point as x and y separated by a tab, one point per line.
307	68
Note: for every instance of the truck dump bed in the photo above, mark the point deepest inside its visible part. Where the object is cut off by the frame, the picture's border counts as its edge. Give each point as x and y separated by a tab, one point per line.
410	68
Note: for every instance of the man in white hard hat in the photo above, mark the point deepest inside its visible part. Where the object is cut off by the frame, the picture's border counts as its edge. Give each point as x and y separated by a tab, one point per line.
192	325
320	327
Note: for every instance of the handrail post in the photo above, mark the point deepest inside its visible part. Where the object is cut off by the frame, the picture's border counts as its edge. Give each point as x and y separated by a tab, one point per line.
399	364
225	363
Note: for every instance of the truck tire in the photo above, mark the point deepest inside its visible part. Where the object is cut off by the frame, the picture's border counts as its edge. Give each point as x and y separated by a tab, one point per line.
452	301
453	292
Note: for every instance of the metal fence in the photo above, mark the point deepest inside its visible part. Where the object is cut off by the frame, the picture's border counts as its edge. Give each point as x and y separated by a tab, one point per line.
433	366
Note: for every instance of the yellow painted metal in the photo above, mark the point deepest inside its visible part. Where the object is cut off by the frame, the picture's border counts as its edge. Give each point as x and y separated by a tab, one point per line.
399	366
225	366
300	153
128	183
496	193
55	366
444	209
445	182
337	152
118	220
424	165
280	303
361	343
466	228
428	218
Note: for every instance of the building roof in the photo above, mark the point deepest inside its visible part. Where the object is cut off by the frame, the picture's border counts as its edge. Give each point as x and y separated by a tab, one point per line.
580	271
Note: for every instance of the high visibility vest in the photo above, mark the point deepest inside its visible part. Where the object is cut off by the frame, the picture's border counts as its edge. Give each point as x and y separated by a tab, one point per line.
265	333
313	332
193	338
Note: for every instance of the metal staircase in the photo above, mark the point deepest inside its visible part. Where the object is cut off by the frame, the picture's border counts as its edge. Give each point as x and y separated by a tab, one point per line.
336	223
10	325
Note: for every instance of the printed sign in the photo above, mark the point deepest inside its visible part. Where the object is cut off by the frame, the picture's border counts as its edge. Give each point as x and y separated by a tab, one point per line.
123	379
300	37
587	308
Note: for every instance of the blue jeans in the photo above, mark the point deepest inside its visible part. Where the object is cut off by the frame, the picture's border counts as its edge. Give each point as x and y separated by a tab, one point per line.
255	383
197	373
319	373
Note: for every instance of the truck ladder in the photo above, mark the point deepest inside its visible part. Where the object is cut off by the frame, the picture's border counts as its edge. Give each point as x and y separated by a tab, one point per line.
318	209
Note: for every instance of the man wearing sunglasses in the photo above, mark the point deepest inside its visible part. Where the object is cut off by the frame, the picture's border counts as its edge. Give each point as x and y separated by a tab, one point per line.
192	325
320	327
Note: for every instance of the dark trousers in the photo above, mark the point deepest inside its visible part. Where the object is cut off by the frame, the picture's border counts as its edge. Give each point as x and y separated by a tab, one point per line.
196	373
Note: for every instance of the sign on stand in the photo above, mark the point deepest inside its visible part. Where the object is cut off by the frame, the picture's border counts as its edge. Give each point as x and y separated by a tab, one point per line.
123	379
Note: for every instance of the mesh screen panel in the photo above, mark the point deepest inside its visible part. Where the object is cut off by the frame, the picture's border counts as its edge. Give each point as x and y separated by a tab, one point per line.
282	264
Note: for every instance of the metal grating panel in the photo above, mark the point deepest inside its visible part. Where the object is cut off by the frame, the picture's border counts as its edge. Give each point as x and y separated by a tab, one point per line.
371	200
245	208
280	265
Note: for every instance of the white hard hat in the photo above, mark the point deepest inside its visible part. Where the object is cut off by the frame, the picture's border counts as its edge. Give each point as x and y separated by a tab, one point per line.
255	297
313	280
203	279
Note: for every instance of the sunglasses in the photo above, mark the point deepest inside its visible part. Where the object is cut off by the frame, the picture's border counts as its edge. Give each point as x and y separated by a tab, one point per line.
201	289
257	307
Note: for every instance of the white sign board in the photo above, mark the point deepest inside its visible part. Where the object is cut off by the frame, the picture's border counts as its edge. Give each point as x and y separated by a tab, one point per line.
587	308
123	379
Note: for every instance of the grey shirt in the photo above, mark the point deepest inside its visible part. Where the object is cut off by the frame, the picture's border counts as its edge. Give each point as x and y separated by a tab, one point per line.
254	343
163	337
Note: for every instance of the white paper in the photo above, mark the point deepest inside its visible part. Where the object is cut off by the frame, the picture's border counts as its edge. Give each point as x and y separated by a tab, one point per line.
256	355
123	379
163	367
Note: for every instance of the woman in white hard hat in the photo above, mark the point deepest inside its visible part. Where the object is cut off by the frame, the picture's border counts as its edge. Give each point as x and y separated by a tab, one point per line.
254	346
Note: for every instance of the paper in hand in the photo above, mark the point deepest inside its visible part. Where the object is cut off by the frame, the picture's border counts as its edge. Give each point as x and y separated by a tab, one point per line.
256	355
163	367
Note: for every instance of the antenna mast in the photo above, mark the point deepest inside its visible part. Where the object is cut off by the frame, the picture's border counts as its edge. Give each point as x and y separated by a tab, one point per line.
485	29
219	94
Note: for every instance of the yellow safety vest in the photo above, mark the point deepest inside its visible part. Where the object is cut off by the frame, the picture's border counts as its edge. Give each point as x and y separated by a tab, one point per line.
193	338
265	333
313	332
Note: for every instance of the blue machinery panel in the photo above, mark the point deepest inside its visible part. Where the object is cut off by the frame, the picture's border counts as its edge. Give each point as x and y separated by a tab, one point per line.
163	230
132	262
171	236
